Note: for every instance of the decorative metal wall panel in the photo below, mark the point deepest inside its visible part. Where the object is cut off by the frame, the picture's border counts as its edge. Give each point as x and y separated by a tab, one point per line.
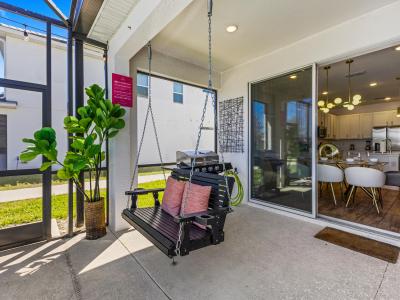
231	125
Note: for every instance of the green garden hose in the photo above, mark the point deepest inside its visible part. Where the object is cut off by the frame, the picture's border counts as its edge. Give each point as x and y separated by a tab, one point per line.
238	198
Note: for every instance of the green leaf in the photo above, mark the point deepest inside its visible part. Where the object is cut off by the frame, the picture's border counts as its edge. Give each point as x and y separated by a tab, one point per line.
90	140
85	122
28	156
98	131
103	105
63	174
76	130
113	134
79	165
51	154
70	120
46	133
82	111
100	114
46	165
43	145
31	141
119	124
109	104
93	150
78	144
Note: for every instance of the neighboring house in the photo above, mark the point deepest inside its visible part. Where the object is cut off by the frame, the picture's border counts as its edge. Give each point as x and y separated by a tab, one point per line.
177	110
21	111
177	107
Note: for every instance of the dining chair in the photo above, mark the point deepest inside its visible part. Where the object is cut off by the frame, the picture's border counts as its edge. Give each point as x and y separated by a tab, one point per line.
366	178
330	175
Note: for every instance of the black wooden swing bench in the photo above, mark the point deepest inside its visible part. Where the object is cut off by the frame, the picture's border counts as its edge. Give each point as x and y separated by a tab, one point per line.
162	229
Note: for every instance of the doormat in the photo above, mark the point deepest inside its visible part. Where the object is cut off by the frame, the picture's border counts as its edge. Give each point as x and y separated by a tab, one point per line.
360	244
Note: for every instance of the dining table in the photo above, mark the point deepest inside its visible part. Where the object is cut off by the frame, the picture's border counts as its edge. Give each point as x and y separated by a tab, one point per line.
343	163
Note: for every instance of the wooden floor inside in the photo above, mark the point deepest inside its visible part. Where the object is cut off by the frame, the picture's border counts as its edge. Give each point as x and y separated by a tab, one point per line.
363	211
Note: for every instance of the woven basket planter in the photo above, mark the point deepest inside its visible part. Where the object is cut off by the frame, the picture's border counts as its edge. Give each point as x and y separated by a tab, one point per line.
95	219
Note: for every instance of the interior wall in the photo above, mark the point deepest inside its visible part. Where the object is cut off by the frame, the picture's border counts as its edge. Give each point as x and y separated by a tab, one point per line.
372	31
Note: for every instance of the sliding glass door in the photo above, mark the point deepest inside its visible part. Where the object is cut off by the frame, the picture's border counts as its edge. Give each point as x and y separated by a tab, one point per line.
281	140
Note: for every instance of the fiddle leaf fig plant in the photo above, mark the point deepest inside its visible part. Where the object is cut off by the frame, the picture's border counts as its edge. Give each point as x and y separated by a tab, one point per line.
96	122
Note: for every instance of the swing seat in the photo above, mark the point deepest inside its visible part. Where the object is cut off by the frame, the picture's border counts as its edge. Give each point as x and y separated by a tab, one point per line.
162	229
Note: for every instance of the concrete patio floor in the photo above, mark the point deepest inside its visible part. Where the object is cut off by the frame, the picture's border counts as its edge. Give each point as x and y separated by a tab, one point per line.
265	256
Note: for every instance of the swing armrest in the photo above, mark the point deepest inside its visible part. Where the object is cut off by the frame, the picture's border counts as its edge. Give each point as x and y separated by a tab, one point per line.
139	191
144	191
203	218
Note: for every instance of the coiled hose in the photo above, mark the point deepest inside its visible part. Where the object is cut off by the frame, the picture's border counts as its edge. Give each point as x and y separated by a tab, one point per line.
238	198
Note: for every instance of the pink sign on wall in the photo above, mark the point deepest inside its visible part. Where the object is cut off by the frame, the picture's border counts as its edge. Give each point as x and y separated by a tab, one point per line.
122	90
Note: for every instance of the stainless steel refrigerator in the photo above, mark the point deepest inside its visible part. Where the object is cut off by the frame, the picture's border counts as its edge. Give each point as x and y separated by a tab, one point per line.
393	134
378	135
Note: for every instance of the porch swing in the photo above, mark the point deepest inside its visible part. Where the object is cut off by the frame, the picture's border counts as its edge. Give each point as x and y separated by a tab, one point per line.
177	236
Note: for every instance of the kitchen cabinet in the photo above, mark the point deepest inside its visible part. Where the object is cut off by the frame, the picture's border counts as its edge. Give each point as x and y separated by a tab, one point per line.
356	126
382	118
331	126
348	126
366	120
394	120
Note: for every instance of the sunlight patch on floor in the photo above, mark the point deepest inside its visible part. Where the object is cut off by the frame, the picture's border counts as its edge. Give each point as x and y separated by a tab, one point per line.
134	241
32	253
67	244
34	266
114	252
4	258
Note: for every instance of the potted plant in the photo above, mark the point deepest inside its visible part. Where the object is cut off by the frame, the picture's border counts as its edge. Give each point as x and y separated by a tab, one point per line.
96	122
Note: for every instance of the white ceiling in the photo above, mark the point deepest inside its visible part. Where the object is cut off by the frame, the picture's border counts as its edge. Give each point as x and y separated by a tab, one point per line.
382	67
110	17
264	26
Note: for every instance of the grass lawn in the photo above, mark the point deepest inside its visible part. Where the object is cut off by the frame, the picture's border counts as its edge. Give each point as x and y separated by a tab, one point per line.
30	210
31	181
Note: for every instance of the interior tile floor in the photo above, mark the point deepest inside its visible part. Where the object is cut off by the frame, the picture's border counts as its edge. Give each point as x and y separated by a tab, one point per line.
362	211
265	256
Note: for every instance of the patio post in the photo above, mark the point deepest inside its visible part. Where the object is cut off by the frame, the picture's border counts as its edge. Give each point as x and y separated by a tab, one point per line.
79	101
122	151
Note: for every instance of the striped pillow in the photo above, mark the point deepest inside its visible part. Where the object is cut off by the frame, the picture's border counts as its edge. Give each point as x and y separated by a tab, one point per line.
172	199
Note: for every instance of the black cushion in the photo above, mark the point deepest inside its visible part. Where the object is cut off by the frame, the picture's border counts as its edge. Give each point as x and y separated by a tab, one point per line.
393	178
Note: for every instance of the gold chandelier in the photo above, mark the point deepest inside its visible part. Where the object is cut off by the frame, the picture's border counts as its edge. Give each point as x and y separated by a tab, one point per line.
352	101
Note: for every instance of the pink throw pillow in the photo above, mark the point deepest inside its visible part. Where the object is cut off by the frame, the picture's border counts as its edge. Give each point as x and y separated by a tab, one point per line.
197	199
172	198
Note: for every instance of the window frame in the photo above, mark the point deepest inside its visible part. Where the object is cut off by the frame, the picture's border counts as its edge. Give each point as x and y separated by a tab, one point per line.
142	86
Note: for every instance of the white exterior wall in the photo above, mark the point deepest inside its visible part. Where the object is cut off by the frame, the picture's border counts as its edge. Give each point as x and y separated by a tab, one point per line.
26	61
377	29
177	123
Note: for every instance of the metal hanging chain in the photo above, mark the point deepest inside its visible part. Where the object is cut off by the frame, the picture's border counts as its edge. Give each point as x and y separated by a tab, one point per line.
184	201
208	92
149	112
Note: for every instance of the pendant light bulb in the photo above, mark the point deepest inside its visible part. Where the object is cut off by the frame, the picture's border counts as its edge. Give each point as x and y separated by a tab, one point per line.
321	103
338	100
356	99
350	106
330	105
